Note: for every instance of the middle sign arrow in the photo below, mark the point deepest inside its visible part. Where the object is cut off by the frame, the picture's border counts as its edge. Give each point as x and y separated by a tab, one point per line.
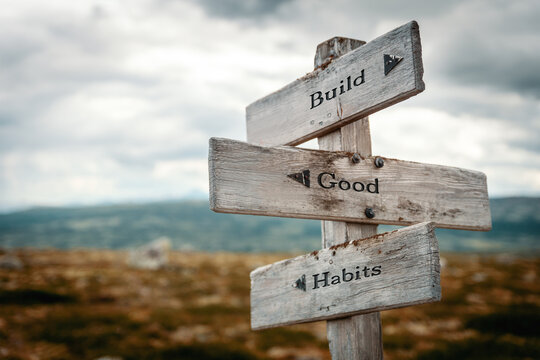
313	184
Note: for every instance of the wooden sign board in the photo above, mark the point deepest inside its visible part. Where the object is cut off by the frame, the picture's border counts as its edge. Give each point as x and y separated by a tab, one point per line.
314	184
383	72
386	271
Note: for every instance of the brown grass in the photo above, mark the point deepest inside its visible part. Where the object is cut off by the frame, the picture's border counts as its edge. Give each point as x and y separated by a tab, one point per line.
86	304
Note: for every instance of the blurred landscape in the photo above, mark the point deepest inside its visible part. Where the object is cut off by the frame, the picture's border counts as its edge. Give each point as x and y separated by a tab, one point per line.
89	304
190	225
69	290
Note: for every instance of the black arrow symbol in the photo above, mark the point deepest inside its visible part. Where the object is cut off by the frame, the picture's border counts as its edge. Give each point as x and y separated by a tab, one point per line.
301	177
390	62
300	283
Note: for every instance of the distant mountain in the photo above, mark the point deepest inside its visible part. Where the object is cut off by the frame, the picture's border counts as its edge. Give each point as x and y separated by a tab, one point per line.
191	225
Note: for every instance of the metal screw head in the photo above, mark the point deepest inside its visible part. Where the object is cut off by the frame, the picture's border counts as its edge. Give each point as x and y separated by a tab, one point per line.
370	213
379	162
356	158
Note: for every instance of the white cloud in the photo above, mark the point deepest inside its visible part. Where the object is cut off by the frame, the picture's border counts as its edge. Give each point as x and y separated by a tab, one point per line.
185	176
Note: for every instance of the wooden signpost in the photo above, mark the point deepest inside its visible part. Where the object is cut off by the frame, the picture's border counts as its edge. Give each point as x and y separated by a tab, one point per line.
357	273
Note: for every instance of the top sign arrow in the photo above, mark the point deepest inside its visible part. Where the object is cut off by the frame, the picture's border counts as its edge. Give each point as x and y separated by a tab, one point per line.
390	62
350	87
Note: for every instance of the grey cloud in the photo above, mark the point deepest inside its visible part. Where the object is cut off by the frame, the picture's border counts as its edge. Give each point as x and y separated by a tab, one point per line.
218	123
14	51
456	101
523	115
530	144
241	9
99	13
485	44
150	158
516	71
411	9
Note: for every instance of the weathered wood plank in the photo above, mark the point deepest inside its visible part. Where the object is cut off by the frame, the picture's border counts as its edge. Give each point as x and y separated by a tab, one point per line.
301	110
386	271
250	179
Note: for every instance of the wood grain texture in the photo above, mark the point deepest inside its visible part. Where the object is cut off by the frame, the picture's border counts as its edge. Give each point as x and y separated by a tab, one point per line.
386	271
287	116
333	48
250	179
354	137
358	337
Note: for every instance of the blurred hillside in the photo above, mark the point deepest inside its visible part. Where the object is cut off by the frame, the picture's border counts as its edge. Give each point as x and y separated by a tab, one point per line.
89	304
190	225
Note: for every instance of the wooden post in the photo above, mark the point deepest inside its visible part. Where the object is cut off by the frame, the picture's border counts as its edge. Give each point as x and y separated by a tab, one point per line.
358	337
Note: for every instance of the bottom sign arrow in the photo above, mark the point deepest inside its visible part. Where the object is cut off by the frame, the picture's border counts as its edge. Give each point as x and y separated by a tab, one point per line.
386	271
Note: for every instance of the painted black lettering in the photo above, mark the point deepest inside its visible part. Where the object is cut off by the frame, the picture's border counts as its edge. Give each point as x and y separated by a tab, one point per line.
355	184
331	183
333	94
344	185
359	77
316	281
319	98
365	270
375	187
376	270
347	276
336	280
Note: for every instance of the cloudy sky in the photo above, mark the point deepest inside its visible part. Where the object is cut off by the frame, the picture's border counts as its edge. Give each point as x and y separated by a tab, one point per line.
108	101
